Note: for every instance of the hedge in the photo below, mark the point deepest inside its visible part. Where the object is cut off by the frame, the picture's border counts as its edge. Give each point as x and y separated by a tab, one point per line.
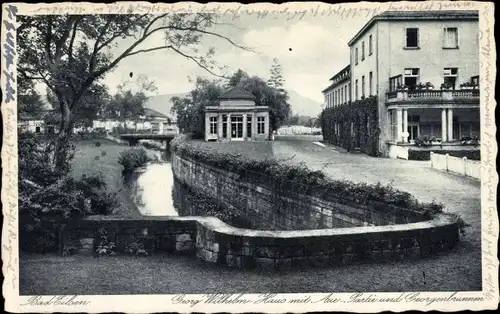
283	175
363	115
426	154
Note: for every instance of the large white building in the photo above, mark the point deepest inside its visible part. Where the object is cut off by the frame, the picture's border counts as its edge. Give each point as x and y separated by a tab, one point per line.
339	91
424	69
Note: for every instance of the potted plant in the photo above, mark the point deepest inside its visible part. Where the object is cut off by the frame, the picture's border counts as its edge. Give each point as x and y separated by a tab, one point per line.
467	85
446	86
402	88
429	86
420	86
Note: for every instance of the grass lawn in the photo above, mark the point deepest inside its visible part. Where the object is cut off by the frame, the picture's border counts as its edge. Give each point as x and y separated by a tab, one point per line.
254	150
91	159
170	274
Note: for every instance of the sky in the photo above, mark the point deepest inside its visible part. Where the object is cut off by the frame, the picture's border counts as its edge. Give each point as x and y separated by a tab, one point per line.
310	50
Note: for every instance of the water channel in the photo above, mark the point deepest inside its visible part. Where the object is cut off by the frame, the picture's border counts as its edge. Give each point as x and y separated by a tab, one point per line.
156	192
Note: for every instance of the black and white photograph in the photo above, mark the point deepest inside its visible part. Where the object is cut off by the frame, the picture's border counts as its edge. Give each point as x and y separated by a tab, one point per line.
231	158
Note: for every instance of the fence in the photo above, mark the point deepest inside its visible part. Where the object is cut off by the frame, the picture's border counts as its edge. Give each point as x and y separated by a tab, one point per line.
463	166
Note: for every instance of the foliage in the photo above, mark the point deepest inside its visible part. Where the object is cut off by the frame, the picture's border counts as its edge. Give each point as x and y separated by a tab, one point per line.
132	159
190	109
95	191
137	248
105	246
362	116
276	79
285	176
35	158
29	100
414	154
49	197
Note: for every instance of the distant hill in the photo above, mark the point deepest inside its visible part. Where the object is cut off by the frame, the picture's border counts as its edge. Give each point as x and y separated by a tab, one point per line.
300	105
303	106
162	103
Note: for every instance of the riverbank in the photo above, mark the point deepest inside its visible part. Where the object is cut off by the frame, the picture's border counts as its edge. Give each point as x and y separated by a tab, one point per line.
100	155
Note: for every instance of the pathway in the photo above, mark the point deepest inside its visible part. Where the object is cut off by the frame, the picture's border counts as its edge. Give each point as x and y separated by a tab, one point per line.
458	194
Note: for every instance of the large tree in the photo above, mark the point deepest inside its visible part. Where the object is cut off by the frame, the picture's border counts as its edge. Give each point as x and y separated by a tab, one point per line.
190	109
29	100
72	53
276	79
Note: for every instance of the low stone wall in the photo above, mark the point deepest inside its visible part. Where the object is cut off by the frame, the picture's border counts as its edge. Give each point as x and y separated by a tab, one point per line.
462	166
254	198
213	241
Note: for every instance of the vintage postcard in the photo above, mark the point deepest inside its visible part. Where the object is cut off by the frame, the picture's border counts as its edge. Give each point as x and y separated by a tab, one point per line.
273	158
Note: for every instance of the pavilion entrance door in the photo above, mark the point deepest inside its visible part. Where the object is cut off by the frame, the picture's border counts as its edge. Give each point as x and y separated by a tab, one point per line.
237	128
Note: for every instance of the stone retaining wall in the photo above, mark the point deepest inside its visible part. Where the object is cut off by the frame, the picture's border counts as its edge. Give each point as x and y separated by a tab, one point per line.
254	198
213	241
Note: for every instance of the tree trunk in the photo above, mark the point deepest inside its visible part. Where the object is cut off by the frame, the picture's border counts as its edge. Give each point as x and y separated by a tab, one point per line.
61	155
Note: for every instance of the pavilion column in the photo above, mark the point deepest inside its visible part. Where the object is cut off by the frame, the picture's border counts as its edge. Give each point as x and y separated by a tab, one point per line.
254	124
399	124
219	126
245	127
443	125
228	126
405	124
450	124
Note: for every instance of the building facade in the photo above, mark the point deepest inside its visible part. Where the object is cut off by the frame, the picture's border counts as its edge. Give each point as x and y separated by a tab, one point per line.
236	118
424	69
339	91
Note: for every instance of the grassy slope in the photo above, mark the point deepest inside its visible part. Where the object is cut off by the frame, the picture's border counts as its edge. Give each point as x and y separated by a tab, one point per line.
90	159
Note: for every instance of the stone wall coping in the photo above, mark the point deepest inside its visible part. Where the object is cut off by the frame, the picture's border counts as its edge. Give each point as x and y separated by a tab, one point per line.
217	225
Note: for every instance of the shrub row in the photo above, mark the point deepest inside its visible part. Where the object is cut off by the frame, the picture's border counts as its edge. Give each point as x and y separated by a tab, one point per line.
426	154
300	178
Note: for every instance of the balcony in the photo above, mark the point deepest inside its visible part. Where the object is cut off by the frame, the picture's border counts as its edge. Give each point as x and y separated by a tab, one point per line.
430	97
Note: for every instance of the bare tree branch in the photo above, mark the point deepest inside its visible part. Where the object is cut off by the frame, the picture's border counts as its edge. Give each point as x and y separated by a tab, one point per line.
198	63
149	50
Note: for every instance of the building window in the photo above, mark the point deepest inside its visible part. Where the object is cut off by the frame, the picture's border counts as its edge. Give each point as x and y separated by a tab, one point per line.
450	77
213	125
155	127
261	125
363	86
356	87
346	94
411	77
370	83
341	95
362	51
356	55
370	45
412	38
37	129
394	82
450	38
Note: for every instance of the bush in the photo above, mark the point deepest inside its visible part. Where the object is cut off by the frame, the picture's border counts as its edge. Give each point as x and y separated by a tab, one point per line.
97	143
44	211
132	159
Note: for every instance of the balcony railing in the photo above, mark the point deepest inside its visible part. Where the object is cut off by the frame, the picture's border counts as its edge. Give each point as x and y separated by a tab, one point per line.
432	95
